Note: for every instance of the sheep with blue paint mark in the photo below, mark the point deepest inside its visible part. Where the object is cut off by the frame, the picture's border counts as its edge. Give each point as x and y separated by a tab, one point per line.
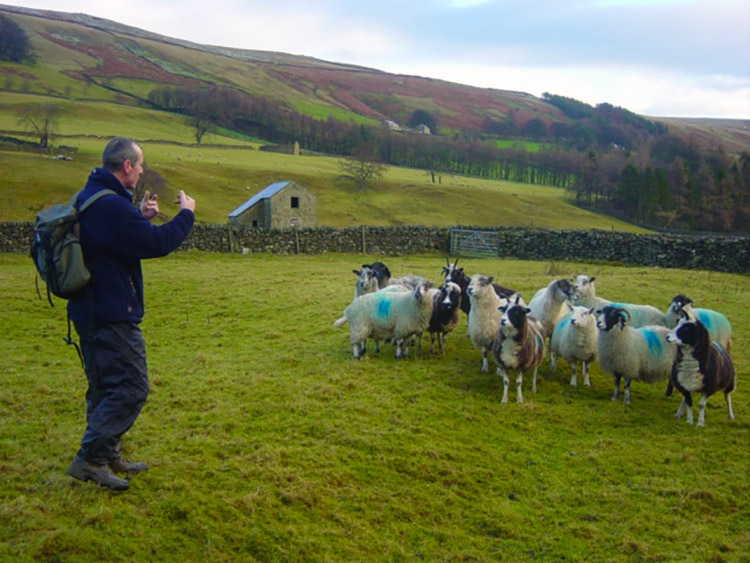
718	326
574	340
394	313
632	354
584	295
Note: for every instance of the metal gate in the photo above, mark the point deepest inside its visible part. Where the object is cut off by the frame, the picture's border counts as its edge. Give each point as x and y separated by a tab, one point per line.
474	243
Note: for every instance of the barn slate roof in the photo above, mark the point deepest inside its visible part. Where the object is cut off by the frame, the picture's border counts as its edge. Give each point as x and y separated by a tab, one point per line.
269	191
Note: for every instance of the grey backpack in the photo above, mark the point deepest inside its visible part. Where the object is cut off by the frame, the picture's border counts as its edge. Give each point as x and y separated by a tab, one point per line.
56	248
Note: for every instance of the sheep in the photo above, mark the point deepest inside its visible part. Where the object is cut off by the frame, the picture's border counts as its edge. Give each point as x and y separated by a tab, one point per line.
519	345
394	313
584	295
367	281
382	272
486	315
640	354
718	326
456	275
700	366
444	318
548	304
574	340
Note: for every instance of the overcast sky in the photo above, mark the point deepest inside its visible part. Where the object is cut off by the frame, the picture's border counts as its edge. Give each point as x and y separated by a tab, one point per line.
685	58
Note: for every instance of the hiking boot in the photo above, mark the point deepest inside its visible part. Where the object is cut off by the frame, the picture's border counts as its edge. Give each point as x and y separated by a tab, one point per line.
120	465
100	474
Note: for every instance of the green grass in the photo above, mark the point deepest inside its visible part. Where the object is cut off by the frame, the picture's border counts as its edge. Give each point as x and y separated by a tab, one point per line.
530	146
268	442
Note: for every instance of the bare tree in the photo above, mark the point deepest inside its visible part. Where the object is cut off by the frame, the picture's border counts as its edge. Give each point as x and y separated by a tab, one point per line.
40	119
362	168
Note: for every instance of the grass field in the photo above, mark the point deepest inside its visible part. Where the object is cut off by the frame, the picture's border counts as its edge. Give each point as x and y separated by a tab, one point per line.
268	442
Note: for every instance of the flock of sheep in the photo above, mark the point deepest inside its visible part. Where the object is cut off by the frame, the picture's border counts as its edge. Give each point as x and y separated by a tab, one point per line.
687	346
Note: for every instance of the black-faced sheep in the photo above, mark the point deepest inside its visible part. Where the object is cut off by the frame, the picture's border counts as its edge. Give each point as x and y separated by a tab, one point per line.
700	366
584	295
445	307
574	340
485	315
387	314
640	354
456	275
548	304
519	346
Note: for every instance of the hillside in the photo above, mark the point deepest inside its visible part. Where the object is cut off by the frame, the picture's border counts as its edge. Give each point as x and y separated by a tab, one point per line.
88	50
335	108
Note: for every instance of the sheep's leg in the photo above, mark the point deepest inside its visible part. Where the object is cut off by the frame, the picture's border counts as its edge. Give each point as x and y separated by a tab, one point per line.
617	378
377	346
702	411
398	348
573	380
441	343
501	373
689	407
485	362
728	401
552	361
356	350
432	342
533	380
668	390
519	384
681	410
626	389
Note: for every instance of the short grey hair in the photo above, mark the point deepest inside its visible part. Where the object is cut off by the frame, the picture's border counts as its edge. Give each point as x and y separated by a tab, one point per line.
117	151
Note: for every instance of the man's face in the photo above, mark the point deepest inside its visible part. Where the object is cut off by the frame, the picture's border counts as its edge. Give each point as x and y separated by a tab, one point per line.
131	171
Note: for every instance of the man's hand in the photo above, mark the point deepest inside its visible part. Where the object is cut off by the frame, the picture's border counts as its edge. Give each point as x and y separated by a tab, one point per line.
149	205
185	201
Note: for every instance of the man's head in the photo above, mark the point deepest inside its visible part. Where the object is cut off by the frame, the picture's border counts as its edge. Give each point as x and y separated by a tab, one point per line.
124	158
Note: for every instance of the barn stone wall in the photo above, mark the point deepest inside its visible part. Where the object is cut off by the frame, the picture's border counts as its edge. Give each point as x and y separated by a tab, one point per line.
704	252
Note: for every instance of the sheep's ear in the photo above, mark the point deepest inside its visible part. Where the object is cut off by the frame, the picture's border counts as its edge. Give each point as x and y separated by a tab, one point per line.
599	311
592	310
489	280
357	272
591	280
570	306
527	310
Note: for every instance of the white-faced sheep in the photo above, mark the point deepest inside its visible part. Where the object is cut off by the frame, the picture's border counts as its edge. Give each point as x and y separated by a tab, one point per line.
574	340
387	314
485	315
632	354
456	275
584	295
444	318
367	281
700	366
548	304
518	346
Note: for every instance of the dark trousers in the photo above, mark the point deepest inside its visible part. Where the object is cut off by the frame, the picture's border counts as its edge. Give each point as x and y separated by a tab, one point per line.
114	356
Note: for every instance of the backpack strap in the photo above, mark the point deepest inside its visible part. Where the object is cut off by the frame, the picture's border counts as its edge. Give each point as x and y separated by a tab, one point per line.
91	199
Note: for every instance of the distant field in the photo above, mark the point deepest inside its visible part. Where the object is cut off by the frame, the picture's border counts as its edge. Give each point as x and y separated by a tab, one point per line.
267	442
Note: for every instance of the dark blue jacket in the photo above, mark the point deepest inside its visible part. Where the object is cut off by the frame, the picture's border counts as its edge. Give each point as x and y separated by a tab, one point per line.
115	237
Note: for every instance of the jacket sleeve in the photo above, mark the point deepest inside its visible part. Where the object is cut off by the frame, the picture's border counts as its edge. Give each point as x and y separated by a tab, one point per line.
134	237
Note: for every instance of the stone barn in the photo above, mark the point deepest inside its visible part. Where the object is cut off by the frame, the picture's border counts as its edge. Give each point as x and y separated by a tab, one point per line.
280	205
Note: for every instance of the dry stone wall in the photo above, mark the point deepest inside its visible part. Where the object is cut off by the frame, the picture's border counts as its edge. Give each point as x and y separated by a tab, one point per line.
717	253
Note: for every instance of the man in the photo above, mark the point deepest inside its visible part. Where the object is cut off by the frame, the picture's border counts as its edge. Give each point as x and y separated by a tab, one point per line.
115	236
